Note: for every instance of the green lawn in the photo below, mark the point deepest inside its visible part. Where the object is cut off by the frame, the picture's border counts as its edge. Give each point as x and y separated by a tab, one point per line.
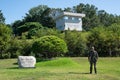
61	69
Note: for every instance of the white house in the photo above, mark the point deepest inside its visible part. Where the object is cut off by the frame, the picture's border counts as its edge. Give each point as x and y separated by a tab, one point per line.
68	21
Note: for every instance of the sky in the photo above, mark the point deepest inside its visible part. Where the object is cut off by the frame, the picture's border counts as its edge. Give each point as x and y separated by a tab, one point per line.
16	9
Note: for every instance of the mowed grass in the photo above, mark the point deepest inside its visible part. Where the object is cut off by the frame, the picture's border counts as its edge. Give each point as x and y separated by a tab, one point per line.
61	69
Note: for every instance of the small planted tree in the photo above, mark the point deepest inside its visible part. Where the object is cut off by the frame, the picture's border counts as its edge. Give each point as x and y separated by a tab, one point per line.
49	46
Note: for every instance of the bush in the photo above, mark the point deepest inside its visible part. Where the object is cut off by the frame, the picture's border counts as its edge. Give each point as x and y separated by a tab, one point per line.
20	47
49	46
26	47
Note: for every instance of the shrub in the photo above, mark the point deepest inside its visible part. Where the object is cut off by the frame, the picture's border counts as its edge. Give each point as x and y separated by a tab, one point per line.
49	46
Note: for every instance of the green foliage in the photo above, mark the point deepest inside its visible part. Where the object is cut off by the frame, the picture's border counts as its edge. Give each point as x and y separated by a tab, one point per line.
28	26
49	46
5	37
106	40
40	14
15	25
46	20
35	13
76	43
15	48
26	47
90	20
2	19
37	33
115	39
98	39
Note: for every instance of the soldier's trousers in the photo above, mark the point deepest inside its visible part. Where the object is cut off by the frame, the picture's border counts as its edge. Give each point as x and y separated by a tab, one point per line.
91	67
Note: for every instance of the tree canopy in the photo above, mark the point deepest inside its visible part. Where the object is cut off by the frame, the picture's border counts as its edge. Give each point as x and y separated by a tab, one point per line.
2	18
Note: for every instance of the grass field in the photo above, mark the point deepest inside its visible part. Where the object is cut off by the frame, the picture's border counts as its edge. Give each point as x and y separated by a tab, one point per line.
62	69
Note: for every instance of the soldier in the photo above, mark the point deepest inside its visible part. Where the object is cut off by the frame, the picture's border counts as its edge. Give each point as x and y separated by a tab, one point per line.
93	57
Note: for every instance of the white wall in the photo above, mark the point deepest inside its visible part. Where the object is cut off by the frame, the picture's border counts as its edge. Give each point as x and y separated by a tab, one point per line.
71	23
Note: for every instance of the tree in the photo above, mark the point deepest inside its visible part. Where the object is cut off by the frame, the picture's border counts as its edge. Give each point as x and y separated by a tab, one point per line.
40	14
37	33
15	25
99	38
115	39
2	19
76	43
46	20
34	14
106	40
68	9
107	19
90	20
5	36
28	26
49	46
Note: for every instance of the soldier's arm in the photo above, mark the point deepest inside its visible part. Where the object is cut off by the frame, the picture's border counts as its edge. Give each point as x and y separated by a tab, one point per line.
97	55
89	56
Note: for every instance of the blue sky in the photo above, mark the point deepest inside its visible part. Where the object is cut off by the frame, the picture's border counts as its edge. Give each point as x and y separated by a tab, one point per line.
16	9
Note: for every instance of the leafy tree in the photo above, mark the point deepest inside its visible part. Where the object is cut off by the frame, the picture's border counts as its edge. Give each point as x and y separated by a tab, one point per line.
15	48
107	19
49	46
98	38
115	39
76	43
90	20
46	20
40	14
5	36
2	19
15	25
37	33
106	40
68	9
28	26
34	14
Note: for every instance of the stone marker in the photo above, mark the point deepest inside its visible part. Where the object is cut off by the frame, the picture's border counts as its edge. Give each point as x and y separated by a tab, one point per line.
26	61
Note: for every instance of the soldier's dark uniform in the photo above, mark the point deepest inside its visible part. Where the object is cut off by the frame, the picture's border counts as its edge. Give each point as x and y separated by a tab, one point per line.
93	57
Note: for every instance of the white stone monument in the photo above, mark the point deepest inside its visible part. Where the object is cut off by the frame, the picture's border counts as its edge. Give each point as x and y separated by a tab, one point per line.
26	61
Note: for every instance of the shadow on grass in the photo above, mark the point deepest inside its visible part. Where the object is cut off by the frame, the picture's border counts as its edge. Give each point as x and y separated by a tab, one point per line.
13	68
79	73
16	66
15	63
22	68
43	60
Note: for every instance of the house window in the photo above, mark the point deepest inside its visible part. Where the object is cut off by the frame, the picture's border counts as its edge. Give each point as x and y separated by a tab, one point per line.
76	18
65	17
73	18
79	19
70	18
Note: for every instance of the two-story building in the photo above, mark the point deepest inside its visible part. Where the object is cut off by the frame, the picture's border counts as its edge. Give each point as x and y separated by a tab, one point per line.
68	21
